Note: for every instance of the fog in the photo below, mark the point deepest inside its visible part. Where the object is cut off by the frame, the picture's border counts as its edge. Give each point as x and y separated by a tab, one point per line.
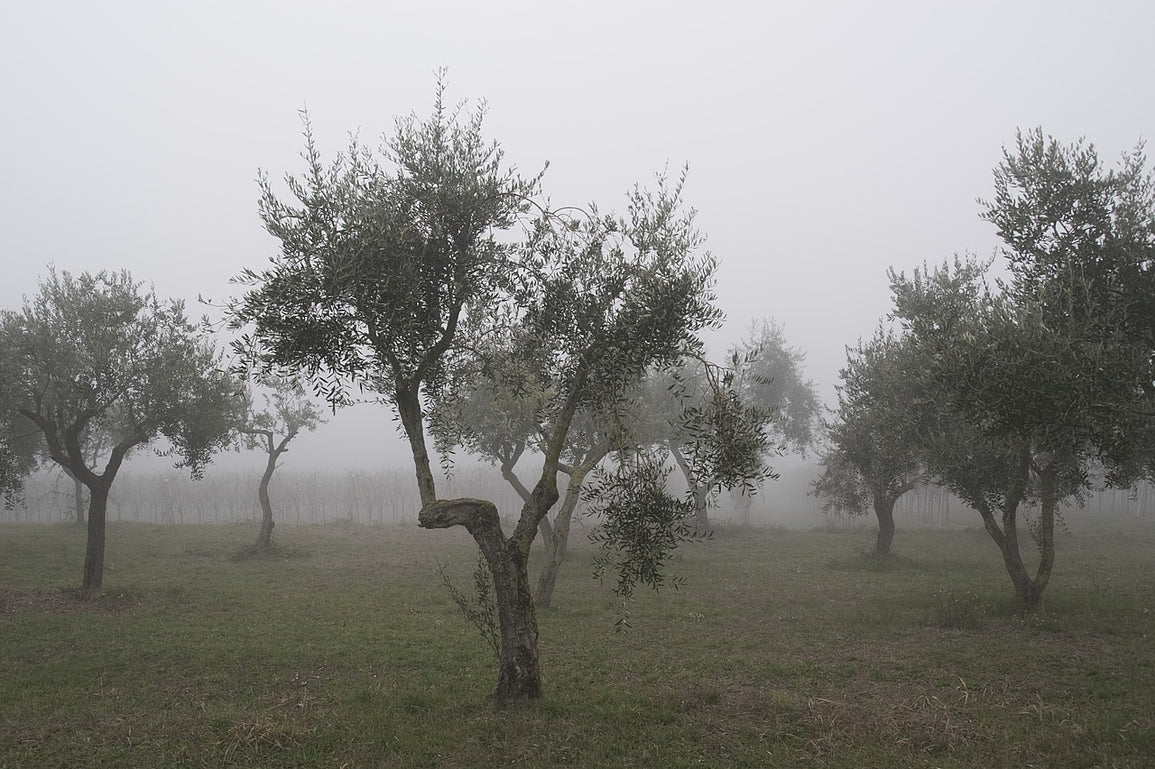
826	141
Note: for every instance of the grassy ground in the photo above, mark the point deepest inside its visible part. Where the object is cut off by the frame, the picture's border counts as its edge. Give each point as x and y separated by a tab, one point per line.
783	649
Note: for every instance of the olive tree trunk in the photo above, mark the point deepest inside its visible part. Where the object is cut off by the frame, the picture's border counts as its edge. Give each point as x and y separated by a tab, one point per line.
98	489
700	492
94	548
558	541
78	499
412	421
1028	589
884	511
265	537
884	501
519	668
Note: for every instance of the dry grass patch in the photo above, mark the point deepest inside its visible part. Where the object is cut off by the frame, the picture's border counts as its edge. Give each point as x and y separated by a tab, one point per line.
67	600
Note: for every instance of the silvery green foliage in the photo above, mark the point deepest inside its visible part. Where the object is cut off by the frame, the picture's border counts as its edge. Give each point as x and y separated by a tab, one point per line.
1040	376
768	373
642	523
872	451
383	254
97	354
398	272
1080	244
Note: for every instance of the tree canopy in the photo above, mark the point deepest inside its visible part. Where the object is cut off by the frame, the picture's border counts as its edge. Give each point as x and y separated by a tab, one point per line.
98	353
381	258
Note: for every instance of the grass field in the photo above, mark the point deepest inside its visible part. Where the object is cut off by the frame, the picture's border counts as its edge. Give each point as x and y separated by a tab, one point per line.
784	648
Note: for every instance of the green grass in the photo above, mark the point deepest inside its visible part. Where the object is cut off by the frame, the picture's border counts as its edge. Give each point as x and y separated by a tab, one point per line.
784	648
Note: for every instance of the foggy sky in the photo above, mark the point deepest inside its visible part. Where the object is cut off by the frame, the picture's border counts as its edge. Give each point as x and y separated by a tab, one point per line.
826	140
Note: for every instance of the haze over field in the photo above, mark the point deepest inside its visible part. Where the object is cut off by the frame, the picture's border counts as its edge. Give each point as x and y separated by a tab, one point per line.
826	141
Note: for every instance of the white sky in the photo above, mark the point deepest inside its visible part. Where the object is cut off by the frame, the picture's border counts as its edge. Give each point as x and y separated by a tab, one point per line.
826	140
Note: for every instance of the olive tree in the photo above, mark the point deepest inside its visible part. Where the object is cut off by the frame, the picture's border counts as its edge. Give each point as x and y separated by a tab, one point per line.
770	376
1048	372
1080	246
761	392
380	256
98	354
872	455
392	266
608	298
288	409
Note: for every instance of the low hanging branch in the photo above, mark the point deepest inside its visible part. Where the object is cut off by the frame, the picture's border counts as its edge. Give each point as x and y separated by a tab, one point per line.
641	525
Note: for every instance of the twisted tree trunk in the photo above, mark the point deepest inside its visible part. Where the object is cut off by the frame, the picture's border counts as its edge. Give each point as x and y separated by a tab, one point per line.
884	502
519	668
1028	589
265	537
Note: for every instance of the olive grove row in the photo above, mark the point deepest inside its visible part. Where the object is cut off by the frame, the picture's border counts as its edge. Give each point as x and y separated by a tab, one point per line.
563	345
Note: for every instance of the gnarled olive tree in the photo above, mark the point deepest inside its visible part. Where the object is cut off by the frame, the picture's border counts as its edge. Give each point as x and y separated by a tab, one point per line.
393	266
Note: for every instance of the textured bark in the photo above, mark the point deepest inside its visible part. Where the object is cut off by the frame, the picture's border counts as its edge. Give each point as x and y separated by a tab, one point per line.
508	462
98	488
519	668
1028	589
1048	479
94	548
409	411
545	532
265	537
78	499
884	501
884	511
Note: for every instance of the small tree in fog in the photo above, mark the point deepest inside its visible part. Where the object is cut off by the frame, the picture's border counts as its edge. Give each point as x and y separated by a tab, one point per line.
872	457
770	377
95	354
1050	371
20	452
684	408
287	411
